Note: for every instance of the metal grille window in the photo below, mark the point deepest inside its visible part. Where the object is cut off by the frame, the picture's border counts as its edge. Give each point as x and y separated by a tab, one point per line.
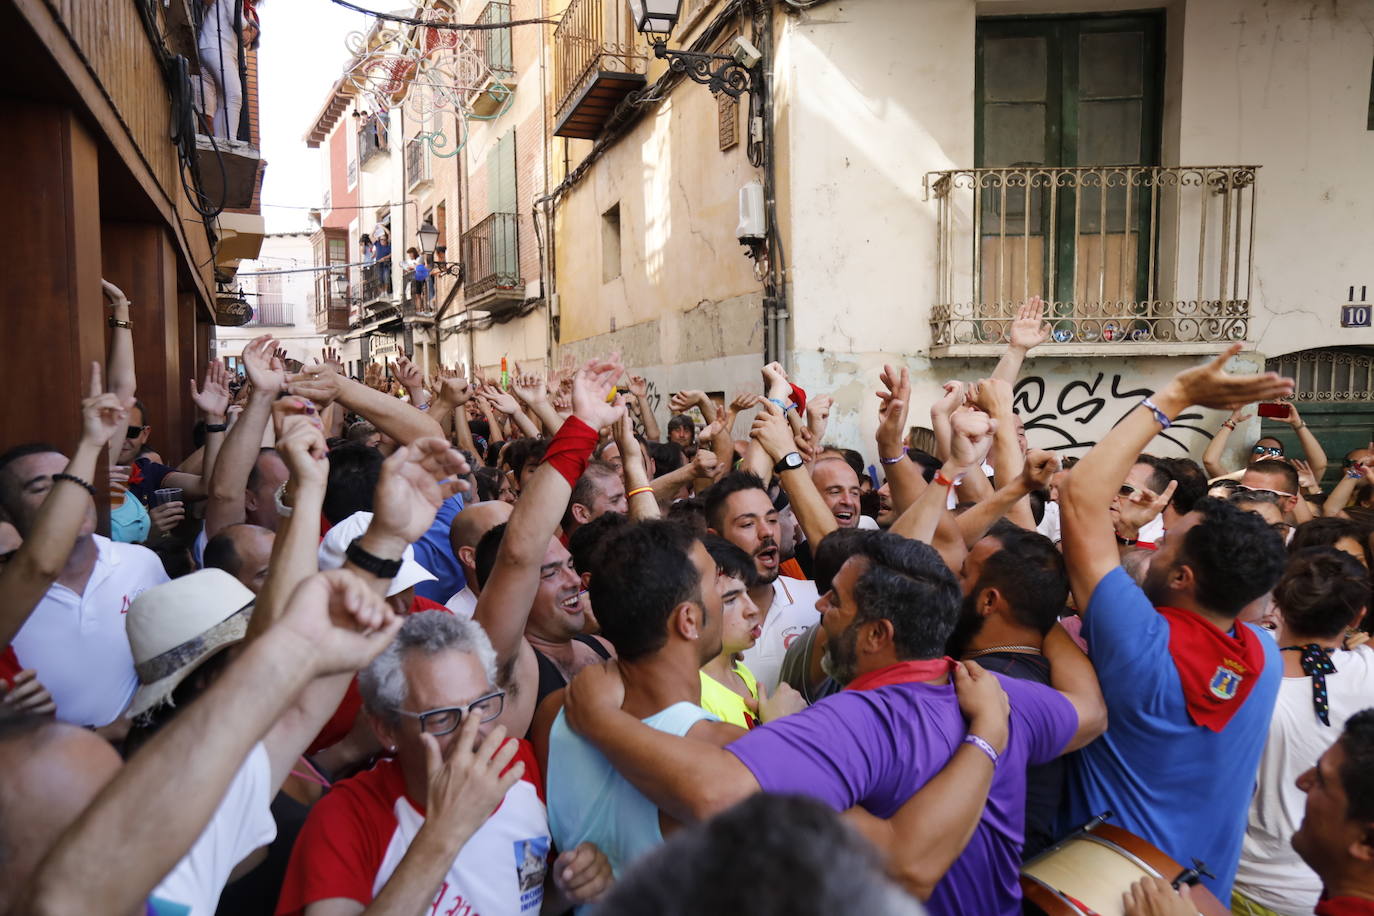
1329	376
495	44
417	162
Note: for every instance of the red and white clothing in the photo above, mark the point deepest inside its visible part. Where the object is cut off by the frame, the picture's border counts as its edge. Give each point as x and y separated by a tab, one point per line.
77	643
358	833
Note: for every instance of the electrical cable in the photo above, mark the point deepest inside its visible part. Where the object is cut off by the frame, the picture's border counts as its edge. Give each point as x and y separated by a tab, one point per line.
447	26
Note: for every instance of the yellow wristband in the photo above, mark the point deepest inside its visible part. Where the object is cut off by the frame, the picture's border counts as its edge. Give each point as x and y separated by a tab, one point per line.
638	490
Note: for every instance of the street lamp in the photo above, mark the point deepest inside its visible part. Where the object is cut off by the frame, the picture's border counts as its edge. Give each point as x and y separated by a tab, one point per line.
727	73
341	285
428	238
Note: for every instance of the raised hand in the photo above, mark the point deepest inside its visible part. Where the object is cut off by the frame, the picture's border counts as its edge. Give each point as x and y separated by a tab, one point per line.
466	784
1293	419
279	358
993	396
639	387
318	383
592	388
213	396
1030	329
1041	466
1143	506
265	371
818	408
300	441
339	621
684	401
1237	417
1306	479
1210	385
331	358
529	388
705	463
972	437
114	296
744	401
104	417
894	404
955	394
773	432
407	373
501	400
454	390
414	482
775	382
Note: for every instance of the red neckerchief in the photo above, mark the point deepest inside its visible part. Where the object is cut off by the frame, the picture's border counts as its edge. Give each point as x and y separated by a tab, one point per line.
1344	906
903	673
1217	670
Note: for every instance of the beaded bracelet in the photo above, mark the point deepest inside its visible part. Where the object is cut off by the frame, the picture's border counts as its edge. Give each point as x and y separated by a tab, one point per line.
76	480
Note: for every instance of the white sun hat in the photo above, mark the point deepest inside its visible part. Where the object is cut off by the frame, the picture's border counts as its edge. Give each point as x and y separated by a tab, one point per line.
336	542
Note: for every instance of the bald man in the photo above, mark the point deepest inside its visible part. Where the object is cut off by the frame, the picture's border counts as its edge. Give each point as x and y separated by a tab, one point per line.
52	772
467	529
244	552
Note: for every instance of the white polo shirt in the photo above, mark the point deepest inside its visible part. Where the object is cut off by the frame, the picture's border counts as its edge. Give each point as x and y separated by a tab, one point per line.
792	614
77	643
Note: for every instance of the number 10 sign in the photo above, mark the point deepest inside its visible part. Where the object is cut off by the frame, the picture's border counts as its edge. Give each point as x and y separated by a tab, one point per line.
1355	316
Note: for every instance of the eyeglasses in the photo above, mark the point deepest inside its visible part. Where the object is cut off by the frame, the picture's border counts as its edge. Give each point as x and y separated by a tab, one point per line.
134	432
442	721
1273	451
1277	494
1281	527
1127	491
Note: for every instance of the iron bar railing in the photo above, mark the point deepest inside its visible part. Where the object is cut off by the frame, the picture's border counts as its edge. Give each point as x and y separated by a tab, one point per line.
417	162
272	311
494	45
372	138
593	36
1120	253
491	255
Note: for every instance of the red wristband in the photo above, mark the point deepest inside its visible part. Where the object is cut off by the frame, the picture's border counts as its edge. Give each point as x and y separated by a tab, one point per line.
571	449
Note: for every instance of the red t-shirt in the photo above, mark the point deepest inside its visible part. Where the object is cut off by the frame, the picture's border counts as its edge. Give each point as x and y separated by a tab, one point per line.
1345	906
356	836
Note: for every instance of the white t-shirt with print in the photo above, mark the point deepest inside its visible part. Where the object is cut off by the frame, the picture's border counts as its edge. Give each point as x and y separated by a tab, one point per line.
792	614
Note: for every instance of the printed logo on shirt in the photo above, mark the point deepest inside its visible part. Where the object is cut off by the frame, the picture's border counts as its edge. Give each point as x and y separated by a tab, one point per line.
790	634
460	906
531	864
1224	683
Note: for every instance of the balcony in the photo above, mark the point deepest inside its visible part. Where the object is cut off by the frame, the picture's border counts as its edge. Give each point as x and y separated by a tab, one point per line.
228	166
1137	259
596	64
491	261
333	318
493	47
272	312
417	164
372	139
375	289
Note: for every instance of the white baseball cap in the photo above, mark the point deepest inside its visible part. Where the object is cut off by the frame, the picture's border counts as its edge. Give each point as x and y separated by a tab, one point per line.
336	542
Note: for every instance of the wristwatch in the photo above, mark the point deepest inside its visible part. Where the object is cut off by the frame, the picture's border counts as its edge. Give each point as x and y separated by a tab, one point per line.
790	462
368	563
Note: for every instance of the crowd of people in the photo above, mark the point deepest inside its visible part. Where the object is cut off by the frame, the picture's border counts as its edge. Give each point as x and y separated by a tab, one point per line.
447	645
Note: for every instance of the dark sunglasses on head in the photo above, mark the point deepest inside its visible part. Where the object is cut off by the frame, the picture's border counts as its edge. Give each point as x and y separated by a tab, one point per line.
1272	450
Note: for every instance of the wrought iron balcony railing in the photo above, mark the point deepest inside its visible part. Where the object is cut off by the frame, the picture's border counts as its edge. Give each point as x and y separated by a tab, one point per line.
491	255
376	285
494	45
417	162
272	311
592	38
372	138
1123	254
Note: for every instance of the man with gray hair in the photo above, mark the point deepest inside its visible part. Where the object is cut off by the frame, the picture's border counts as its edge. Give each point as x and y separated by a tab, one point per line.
432	700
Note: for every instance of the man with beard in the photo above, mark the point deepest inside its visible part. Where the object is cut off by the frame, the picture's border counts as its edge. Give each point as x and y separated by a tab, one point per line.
1015	588
897	724
1190	690
739	510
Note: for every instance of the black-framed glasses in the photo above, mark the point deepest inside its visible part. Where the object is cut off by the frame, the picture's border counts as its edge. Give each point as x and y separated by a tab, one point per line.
1273	451
134	432
446	719
1263	492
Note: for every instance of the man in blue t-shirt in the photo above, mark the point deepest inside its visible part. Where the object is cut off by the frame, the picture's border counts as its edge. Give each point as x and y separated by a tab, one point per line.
1189	690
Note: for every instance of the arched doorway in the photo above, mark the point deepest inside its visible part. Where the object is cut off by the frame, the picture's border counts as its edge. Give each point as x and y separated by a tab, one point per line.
1334	391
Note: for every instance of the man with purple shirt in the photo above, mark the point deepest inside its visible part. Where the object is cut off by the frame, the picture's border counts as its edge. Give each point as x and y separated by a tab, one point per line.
872	746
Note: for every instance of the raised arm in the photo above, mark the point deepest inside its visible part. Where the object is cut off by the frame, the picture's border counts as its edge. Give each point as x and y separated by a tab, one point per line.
772	431
454	394
510	407
904	478
123	381
1211	456
1085	496
1363	470
643	504
639	387
1039	468
972	435
533	391
213	400
402	422
993	395
154	809
1029	329
1073	675
237	456
504	605
1311	448
412	380
26	578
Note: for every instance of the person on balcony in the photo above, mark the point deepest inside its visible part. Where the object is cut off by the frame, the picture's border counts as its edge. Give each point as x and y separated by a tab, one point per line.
224	28
381	256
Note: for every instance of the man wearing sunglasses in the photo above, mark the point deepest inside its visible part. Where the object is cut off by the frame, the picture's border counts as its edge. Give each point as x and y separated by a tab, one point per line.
455	821
1276	477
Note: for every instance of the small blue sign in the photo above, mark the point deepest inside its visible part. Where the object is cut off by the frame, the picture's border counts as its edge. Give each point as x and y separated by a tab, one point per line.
1355	316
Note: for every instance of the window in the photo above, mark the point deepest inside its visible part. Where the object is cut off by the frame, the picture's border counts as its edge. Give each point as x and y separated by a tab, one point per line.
1063	92
495	43
501	196
610	244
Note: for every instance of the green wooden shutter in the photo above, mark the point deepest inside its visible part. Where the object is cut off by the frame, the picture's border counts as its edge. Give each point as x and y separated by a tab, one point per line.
501	197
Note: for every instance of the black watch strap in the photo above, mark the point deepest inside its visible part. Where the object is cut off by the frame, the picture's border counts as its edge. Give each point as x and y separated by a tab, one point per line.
789	462
216	427
368	563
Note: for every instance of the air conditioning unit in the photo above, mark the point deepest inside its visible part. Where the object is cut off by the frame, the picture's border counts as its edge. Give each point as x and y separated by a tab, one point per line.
752	221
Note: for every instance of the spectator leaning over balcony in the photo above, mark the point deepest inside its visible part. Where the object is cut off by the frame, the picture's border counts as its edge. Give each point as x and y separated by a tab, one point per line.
225	26
381	256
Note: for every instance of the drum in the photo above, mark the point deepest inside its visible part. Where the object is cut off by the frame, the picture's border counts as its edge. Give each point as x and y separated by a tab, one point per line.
1088	872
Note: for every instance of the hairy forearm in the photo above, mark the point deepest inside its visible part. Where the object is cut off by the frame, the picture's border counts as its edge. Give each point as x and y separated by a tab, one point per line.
648	421
643	505
1340	496
26	578
411	888
1009	366
1312	449
148	816
392	416
666	486
922	517
524	424
812	513
229	476
1211	456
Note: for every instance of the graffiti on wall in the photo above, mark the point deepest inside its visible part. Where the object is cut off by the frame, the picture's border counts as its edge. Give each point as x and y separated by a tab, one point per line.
1080	410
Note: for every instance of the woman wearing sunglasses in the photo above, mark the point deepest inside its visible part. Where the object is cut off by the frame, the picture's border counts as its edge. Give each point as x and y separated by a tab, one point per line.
1266	447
